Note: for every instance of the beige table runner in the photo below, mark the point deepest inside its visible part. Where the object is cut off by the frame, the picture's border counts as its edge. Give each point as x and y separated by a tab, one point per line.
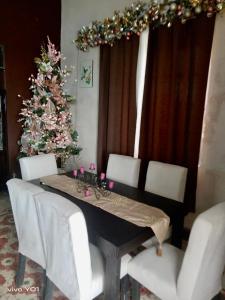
130	210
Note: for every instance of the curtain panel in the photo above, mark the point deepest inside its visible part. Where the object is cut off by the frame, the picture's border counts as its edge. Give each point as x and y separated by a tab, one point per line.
174	96
117	99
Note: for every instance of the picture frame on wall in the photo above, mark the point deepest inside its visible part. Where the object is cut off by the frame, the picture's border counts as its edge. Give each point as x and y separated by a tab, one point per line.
86	73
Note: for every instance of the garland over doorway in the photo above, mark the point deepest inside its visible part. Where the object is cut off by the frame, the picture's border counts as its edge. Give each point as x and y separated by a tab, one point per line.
139	15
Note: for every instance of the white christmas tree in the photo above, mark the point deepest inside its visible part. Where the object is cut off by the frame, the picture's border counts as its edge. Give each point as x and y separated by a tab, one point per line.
45	117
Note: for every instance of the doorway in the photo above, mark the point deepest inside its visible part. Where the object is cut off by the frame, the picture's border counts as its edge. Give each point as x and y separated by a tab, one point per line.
3	131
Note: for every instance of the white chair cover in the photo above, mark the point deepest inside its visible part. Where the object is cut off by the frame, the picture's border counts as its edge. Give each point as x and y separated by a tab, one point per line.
200	276
66	244
124	169
38	166
73	265
158	273
194	275
166	180
25	215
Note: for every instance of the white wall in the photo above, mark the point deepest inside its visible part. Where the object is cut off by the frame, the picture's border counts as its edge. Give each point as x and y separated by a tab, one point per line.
75	14
211	176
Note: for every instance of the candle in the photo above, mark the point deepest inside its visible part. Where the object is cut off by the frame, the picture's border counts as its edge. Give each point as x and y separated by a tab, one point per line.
87	193
92	166
111	185
102	176
82	170
75	173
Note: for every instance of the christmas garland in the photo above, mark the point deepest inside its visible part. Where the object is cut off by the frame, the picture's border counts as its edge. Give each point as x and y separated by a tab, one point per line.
139	15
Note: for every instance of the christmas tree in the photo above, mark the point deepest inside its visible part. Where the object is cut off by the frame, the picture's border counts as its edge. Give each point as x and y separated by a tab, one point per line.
45	117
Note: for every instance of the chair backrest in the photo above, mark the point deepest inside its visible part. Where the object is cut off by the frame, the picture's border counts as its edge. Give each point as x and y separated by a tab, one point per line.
25	216
124	169
166	180
66	244
203	264
33	167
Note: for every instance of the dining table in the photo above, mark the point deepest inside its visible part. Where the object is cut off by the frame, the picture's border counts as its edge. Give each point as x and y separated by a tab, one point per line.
116	237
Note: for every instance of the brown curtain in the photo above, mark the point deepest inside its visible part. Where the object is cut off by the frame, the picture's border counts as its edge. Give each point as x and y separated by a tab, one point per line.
175	86
117	99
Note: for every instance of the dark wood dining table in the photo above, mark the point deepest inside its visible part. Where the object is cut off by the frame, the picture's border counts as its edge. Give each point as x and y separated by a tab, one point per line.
115	236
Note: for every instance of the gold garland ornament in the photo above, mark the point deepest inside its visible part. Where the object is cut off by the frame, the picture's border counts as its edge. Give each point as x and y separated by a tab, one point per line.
139	15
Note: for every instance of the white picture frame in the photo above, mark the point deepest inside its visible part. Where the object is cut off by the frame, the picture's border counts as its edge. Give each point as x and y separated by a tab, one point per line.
86	73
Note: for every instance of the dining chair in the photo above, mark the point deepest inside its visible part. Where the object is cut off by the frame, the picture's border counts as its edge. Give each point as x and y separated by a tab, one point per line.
74	265
36	166
124	169
195	274
27	227
166	180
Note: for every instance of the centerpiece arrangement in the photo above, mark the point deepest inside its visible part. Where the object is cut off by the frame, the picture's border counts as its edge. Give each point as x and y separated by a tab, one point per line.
90	183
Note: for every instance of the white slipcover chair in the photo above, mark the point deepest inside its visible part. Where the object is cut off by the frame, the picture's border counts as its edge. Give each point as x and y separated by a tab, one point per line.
26	221
36	166
73	265
124	169
195	274
166	180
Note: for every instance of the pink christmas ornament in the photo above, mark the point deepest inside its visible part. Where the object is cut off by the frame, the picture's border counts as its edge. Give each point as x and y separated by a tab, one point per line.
111	185
102	176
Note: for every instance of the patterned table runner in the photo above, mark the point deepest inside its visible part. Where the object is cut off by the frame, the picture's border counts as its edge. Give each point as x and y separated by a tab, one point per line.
128	209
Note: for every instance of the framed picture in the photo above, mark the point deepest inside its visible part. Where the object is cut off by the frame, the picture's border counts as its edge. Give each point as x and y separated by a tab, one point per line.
86	73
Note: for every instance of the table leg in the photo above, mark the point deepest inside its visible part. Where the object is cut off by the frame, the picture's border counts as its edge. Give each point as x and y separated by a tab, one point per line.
48	290
112	270
177	231
135	289
20	270
112	278
125	288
